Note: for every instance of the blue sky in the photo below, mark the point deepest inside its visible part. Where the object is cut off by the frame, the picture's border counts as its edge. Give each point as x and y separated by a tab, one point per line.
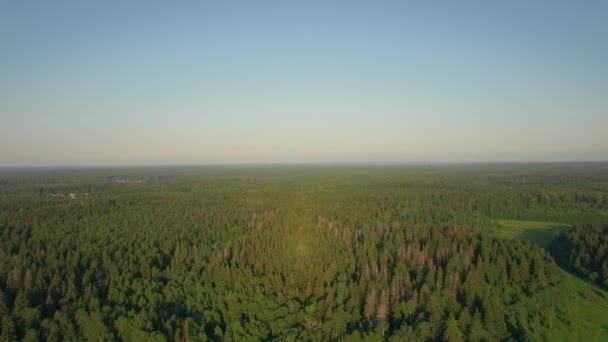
86	83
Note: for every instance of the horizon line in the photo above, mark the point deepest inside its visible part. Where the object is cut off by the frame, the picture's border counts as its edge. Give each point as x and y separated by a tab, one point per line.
308	163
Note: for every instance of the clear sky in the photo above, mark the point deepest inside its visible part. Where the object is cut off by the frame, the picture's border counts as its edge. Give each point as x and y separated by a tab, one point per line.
140	82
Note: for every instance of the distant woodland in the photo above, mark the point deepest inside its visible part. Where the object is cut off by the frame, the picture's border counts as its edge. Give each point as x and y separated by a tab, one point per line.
299	253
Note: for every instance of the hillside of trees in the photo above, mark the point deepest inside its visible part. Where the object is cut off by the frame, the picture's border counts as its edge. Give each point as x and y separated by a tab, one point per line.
288	253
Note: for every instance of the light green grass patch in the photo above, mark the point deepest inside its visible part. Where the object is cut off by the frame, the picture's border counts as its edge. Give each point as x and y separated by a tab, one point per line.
539	233
578	313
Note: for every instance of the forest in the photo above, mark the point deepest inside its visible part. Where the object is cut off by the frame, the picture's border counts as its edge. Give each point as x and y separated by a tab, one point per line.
583	251
305	253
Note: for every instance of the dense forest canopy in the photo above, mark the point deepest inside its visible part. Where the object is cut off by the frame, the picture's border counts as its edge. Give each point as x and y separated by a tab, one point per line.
584	251
295	252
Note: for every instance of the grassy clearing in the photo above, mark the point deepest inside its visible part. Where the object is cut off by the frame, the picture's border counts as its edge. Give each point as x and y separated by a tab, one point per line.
539	233
581	310
581	307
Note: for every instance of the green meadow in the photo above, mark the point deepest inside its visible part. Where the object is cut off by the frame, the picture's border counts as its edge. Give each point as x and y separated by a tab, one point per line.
539	233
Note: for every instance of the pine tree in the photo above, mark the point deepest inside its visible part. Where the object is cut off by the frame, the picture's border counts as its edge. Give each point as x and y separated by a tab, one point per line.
476	331
3	307
8	330
370	306
383	310
451	331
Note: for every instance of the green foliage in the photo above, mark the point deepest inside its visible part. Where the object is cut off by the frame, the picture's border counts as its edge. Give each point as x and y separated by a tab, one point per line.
584	250
286	253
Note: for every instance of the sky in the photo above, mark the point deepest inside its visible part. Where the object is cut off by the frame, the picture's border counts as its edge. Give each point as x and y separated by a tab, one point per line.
144	82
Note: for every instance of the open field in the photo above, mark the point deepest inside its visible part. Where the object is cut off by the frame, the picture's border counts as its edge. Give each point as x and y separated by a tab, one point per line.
589	306
540	233
577	311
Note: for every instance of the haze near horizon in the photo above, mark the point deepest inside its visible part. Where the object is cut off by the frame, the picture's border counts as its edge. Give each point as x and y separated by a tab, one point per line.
114	83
